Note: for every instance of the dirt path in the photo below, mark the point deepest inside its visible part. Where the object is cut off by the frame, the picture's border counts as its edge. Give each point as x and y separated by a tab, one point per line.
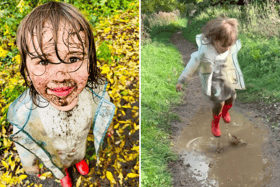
253	161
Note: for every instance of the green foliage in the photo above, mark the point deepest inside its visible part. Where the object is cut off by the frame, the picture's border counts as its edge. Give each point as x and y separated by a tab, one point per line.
163	22
151	6
160	67
259	60
155	145
104	52
95	8
188	1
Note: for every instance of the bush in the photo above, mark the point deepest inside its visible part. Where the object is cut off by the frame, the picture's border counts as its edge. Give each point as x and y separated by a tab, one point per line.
155	6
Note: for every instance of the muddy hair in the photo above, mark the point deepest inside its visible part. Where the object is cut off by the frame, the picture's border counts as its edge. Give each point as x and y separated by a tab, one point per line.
221	29
55	14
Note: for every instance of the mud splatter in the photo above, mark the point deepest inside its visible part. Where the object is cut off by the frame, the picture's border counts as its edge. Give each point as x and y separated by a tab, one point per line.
233	163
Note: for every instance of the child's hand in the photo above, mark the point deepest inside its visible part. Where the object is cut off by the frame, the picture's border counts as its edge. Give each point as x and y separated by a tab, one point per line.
110	131
179	87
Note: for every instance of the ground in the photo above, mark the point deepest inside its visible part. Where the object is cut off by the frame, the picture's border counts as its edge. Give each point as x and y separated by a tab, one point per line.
255	162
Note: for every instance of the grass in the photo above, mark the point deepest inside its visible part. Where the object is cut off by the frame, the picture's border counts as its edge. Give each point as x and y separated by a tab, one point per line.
161	63
259	56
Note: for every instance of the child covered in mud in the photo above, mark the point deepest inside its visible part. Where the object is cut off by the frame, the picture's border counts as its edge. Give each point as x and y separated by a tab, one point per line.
66	94
219	71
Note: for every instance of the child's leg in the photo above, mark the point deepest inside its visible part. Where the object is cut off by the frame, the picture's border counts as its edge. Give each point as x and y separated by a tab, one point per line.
66	181
217	108
215	126
230	100
227	106
29	161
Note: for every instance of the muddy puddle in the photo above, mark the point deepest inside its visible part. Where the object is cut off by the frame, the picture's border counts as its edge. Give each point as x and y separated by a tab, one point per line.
233	160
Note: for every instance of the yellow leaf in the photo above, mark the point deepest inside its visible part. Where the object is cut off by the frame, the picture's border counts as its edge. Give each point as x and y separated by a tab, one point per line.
41	165
12	164
125	121
136	127
122	144
23	177
42	177
79	181
110	177
5	164
132	175
3	130
107	30
123	80
19	170
47	174
126	125
5	142
122	160
136	148
17	159
121	178
135	107
127	106
116	126
105	70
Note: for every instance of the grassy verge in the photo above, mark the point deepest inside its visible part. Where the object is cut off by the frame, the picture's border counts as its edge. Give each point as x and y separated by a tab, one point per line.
259	56
161	62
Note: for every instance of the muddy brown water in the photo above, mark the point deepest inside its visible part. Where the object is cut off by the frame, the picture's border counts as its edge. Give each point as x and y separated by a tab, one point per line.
235	164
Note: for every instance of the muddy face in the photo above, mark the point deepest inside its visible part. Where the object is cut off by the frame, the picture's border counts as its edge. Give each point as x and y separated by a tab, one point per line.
54	78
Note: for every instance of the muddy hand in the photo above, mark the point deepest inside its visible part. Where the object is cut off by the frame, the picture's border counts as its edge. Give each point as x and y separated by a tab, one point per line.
110	131
179	87
39	172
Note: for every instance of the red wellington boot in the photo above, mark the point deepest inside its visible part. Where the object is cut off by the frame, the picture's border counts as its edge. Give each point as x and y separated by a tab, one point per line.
82	167
215	127
225	114
66	181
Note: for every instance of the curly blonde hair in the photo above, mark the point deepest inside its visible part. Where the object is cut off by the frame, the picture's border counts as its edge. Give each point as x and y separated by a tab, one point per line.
221	29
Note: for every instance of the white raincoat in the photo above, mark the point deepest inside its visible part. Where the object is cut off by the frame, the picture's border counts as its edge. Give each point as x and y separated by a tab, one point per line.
206	59
58	138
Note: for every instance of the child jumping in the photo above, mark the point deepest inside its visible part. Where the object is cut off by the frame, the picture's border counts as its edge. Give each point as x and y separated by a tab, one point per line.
219	70
66	94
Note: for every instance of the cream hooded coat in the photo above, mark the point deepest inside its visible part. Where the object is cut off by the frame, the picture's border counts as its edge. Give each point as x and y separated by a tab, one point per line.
206	60
35	141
